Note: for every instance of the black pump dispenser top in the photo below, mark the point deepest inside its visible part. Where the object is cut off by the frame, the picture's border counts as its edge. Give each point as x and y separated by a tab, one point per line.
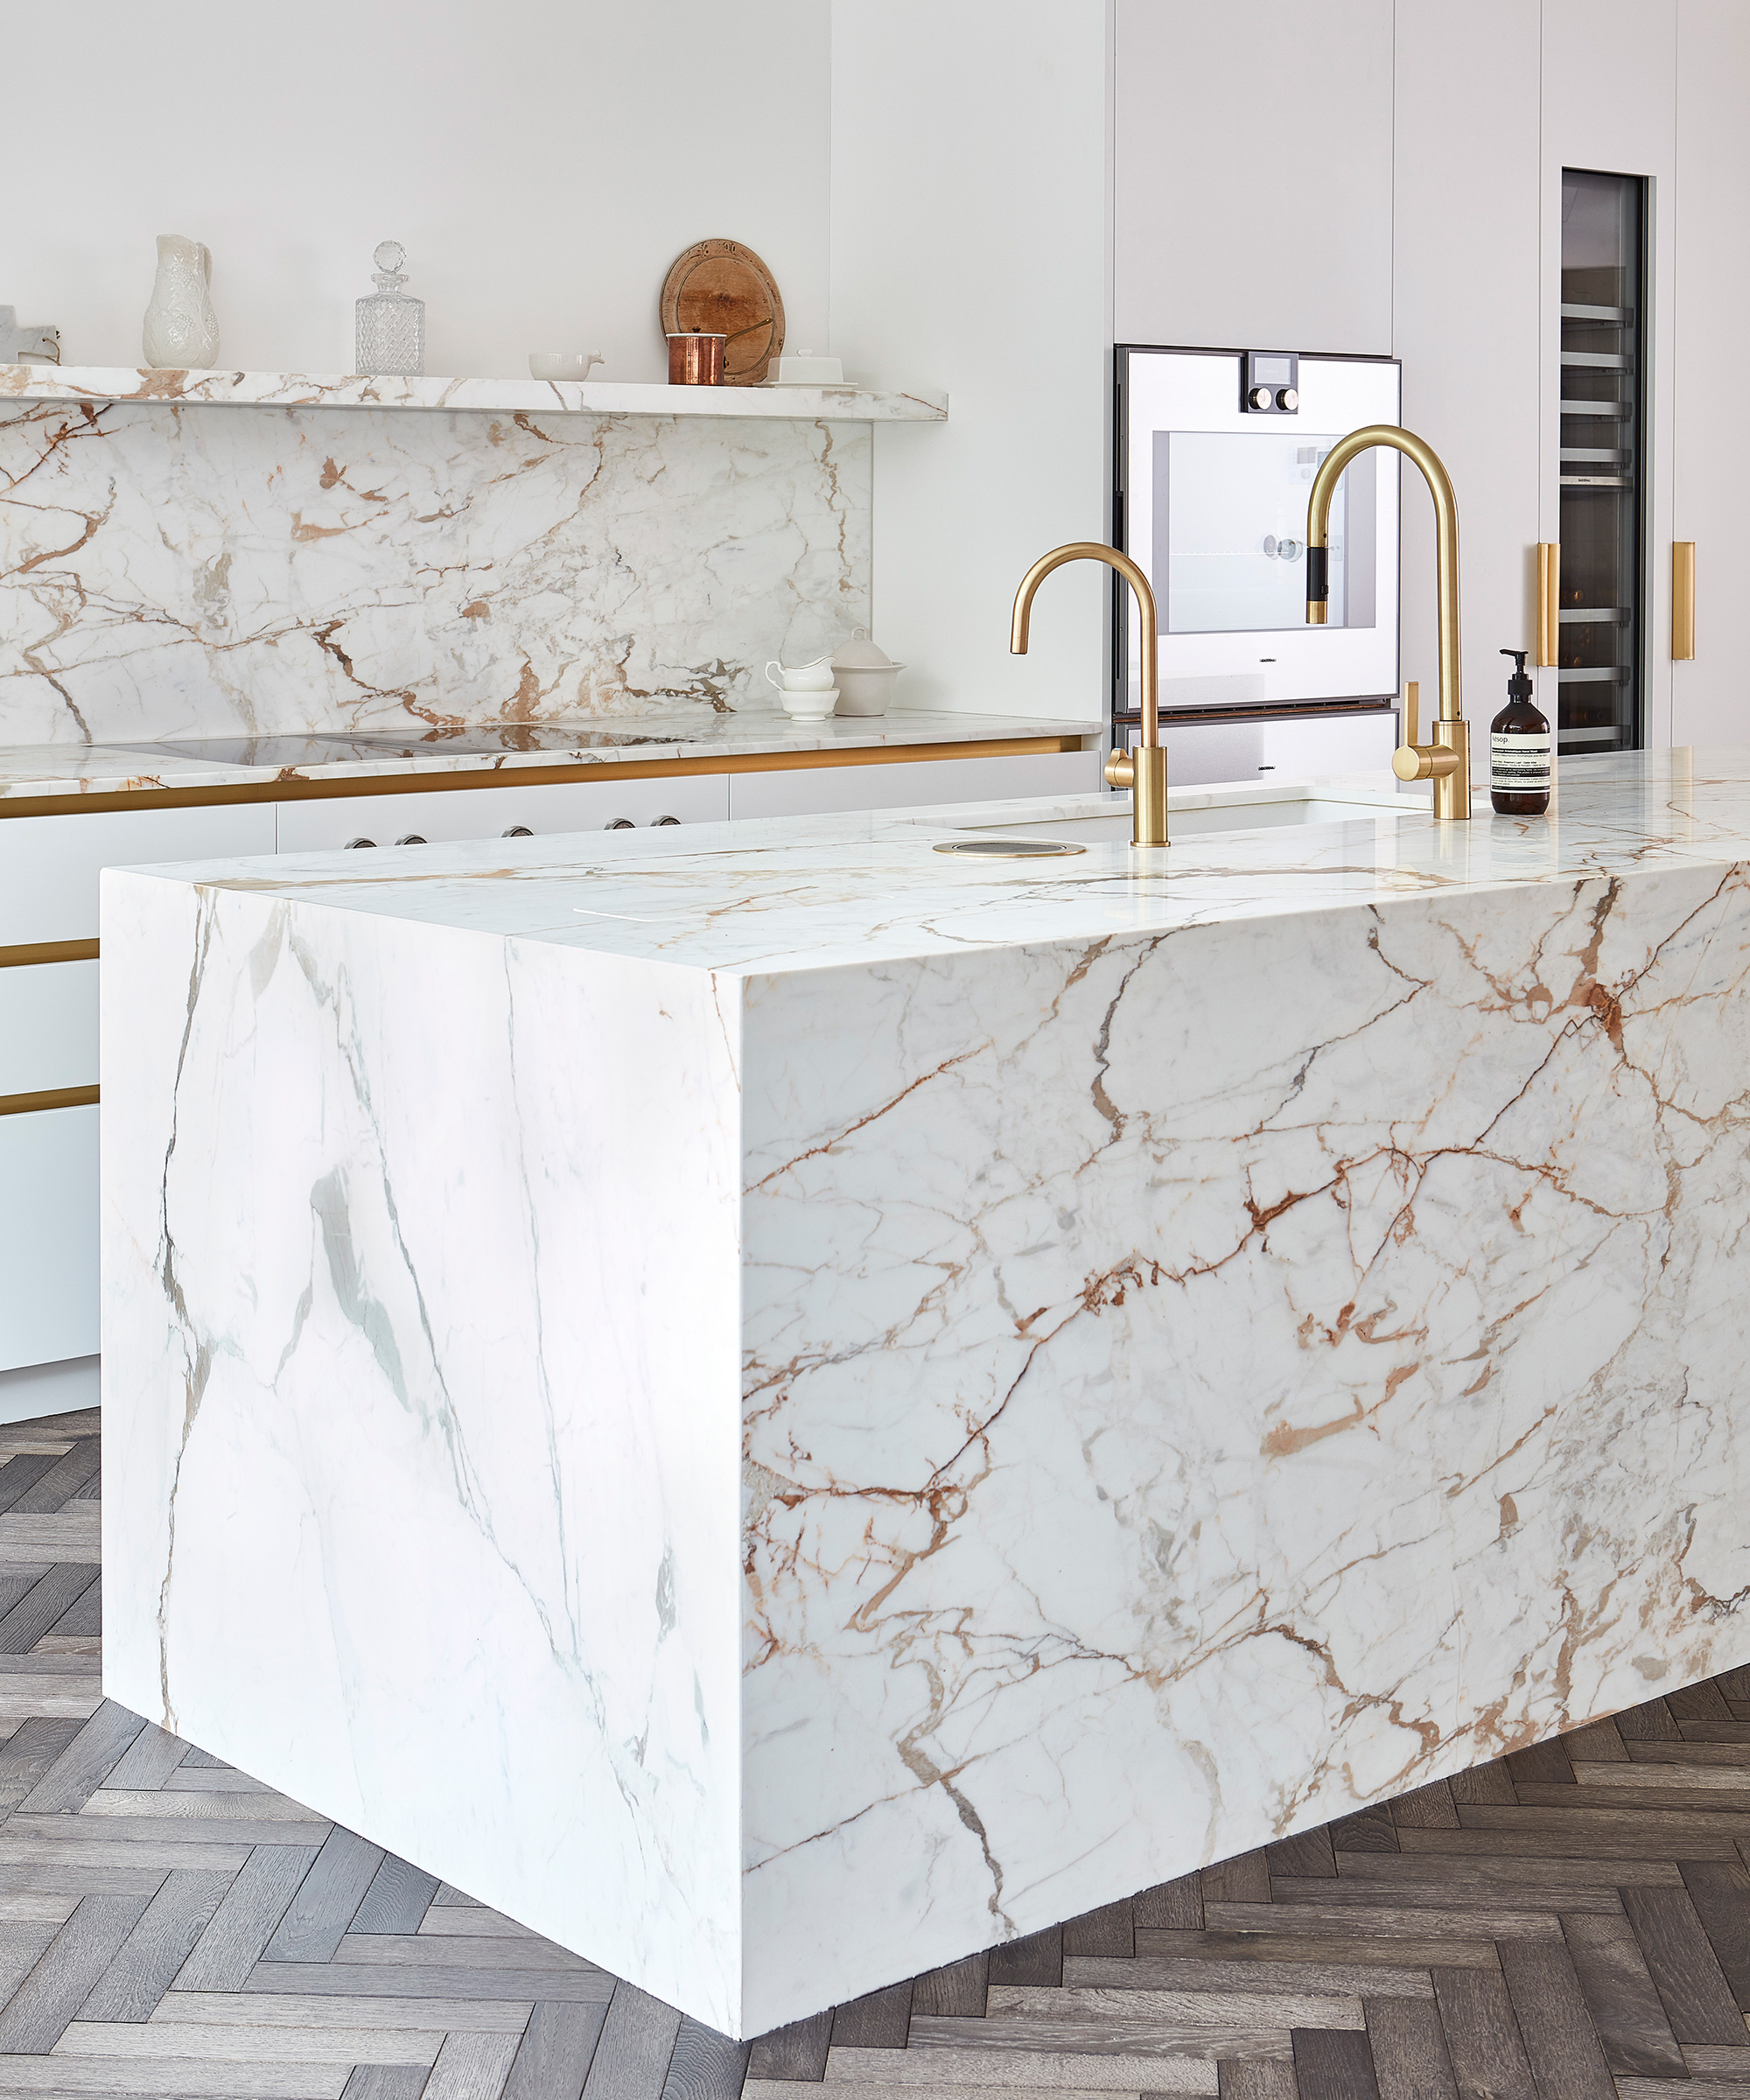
1518	686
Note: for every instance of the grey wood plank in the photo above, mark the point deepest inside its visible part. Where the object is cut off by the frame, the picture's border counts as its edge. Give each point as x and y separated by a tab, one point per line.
386	2081
995	2038
1410	2058
977	2074
1307	1853
1224	2020
204	1761
18	1476
455	1950
1486	1782
337	1979
638	2037
880	2021
32	1747
1482	2036
57	1986
1721	1892
1428	1808
149	1760
1502	1873
1714	1731
1353	1891
161	1833
1035	1958
113	1878
56	1487
554	2057
70	2078
132	1986
1170	1906
1728	1757
1470	1915
1553	2024
470	2067
1150	1972
447	1895
43	1605
1700	2089
1649	1724
93	1489
1626	2010
18	1583
84	1617
1244	1878
1356	1948
1541	1764
1681	1963
84	1764
1107	1930
1332	2065
705	2065
1598	1743
264	2012
1367	1830
1730	2065
1625	1837
1260	2080
317	1919
956	1991
795	2052
246	1919
398	1898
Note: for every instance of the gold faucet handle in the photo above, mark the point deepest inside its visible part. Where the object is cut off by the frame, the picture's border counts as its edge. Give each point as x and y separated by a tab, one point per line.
1424	761
1121	770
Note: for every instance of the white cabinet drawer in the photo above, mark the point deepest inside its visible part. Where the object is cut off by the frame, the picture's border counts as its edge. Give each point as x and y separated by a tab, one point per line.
48	1027
812	791
386	820
49	865
48	1236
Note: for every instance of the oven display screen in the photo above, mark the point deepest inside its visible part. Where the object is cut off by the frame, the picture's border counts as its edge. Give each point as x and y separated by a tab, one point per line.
1271	371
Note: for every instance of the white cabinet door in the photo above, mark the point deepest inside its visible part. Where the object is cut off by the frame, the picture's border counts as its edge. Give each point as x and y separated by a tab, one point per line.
1465	308
48	1237
816	790
48	1027
385	820
1609	104
49	865
1709	697
1252	151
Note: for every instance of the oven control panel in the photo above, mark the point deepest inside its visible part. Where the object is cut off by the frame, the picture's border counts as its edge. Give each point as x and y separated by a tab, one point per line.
1269	382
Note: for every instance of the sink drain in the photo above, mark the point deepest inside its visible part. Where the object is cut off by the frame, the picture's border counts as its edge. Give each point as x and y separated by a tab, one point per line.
1008	849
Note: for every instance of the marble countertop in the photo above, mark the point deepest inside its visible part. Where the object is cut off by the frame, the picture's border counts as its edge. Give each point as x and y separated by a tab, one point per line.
798	892
34	770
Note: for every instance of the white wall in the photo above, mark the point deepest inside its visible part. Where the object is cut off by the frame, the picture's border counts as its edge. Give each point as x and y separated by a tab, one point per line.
968	248
542	162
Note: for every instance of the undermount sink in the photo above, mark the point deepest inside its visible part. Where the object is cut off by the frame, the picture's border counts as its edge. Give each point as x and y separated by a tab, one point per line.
1248	810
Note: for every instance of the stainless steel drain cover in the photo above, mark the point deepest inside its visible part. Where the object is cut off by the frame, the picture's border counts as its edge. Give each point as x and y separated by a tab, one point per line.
1008	848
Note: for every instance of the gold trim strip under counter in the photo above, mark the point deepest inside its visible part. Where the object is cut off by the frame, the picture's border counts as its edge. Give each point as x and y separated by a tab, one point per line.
32	952
299	789
52	1098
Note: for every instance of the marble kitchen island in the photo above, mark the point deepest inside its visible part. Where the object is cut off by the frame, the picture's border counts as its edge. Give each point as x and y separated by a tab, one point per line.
783	1407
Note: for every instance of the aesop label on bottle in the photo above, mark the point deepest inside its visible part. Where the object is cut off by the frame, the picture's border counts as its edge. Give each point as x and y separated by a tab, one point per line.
1519	764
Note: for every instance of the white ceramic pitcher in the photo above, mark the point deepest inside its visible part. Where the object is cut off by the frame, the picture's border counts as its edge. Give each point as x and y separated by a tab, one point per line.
182	330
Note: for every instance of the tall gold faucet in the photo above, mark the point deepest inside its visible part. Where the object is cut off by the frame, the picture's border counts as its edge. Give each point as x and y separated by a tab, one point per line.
1143	771
1446	761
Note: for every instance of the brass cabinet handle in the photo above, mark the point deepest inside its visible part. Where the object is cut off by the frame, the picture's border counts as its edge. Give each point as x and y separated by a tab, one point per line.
1682	601
1549	602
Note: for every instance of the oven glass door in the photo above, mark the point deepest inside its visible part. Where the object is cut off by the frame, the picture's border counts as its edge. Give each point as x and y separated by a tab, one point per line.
1214	509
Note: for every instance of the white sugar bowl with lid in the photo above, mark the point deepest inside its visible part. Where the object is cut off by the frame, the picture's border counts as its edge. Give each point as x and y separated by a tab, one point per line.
864	675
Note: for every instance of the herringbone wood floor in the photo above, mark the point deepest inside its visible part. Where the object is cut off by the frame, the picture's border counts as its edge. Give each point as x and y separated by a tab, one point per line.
1573	1923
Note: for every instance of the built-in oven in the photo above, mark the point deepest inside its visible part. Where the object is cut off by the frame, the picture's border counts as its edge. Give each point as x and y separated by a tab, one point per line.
1215	453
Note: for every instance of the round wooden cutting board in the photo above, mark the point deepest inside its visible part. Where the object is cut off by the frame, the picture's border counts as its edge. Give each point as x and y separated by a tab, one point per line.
720	287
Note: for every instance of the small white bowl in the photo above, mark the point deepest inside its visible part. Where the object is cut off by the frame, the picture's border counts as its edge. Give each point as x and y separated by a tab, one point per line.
563	364
809	707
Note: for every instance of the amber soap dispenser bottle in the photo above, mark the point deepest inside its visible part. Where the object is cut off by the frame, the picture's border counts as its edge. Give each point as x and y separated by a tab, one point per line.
1520	750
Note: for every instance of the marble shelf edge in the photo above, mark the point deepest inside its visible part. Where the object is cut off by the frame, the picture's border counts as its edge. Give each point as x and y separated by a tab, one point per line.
104	383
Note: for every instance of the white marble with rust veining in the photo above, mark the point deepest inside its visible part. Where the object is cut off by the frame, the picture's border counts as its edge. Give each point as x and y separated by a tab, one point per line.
789	1409
172	570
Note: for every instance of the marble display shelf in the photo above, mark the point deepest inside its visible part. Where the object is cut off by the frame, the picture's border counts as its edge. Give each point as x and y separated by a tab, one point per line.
491	396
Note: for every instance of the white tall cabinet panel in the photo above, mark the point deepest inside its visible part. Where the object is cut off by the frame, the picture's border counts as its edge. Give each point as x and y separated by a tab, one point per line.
1710	696
1610	103
1465	304
1252	174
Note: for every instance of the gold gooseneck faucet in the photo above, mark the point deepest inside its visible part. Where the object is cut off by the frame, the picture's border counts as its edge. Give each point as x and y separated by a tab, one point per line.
1143	771
1446	761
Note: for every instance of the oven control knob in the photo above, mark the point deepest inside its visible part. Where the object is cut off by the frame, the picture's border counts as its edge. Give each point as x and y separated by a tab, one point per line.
1287	400
1261	397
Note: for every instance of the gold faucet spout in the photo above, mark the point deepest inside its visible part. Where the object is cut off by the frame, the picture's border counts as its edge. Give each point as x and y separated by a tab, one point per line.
1446	760
1143	771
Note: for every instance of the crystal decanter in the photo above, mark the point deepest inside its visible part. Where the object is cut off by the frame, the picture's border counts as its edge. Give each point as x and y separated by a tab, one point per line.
391	330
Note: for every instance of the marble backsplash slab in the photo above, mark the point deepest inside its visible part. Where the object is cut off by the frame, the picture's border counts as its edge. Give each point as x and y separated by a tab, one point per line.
177	571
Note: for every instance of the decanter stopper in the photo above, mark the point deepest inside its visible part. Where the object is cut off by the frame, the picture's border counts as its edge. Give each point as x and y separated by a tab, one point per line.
391	323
